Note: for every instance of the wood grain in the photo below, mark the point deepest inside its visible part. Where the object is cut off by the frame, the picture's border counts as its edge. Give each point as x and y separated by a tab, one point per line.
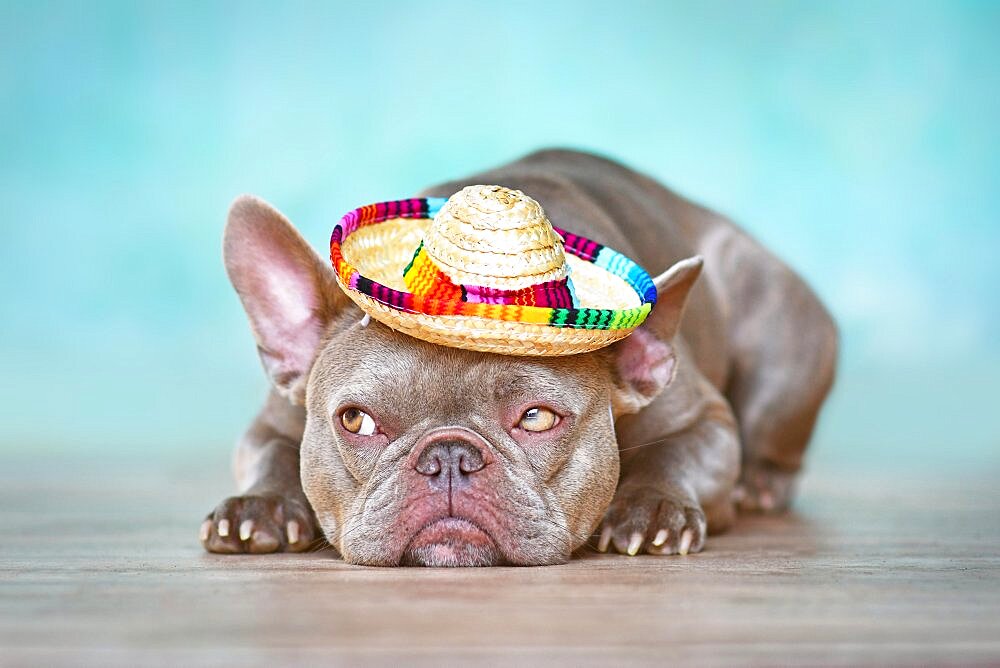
100	565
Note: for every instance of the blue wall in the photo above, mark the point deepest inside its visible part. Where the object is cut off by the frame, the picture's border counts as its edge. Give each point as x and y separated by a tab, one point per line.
861	141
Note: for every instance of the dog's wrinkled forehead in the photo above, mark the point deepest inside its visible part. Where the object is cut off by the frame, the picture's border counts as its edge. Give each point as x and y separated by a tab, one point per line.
376	367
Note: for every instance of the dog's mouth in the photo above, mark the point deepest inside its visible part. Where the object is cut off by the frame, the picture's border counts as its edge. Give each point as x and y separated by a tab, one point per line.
452	541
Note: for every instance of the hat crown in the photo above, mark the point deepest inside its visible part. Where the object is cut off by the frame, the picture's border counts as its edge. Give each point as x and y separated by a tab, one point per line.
494	207
495	237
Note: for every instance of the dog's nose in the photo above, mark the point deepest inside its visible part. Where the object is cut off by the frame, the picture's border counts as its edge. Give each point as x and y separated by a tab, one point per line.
452	457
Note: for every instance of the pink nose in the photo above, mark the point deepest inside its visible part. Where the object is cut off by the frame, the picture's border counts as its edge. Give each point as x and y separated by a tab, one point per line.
451	452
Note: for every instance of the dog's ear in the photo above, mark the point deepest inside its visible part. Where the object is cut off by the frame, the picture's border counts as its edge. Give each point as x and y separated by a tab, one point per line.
288	292
645	361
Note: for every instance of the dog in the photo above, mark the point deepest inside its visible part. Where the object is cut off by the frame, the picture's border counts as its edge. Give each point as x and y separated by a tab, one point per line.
477	459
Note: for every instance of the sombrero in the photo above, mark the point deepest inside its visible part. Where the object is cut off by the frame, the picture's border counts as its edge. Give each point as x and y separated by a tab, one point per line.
485	270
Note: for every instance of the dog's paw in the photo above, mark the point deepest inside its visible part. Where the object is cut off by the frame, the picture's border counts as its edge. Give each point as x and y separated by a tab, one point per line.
647	520
764	488
258	524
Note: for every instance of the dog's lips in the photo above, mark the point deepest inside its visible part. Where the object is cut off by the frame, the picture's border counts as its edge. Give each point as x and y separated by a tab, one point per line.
450	531
452	541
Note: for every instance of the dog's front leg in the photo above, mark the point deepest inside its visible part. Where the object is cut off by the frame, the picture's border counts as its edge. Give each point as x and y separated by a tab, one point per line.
675	488
271	514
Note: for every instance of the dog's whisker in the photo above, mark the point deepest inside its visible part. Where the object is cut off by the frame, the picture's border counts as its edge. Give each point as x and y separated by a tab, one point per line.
644	445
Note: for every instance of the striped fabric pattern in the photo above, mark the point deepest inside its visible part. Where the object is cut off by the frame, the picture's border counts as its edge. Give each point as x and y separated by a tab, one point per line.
424	278
436	295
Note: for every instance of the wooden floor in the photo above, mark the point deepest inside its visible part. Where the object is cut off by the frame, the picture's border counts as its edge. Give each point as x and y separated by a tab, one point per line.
100	565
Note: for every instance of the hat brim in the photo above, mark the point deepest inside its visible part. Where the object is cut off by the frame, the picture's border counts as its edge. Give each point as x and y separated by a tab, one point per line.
372	245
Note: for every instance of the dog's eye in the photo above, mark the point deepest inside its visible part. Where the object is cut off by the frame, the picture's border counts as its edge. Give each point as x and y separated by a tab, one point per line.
358	422
538	419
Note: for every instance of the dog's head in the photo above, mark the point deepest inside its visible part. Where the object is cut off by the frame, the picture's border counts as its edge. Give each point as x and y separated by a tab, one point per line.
419	454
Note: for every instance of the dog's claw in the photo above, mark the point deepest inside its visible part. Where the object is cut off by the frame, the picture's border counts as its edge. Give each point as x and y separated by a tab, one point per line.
686	538
604	540
634	543
660	538
246	529
292	529
205	531
766	501
223	528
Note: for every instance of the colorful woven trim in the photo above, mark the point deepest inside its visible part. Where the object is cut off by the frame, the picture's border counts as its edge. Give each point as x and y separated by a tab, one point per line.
423	277
433	296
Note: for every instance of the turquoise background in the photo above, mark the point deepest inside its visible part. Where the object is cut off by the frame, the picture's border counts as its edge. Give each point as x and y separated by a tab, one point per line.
859	140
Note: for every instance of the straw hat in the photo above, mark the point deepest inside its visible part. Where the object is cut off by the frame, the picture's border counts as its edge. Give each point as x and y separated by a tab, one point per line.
486	270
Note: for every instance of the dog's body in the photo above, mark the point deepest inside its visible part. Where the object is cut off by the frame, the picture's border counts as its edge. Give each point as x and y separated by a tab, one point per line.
741	377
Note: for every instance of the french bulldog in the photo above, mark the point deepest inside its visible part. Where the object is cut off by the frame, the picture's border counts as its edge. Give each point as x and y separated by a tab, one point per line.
401	452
